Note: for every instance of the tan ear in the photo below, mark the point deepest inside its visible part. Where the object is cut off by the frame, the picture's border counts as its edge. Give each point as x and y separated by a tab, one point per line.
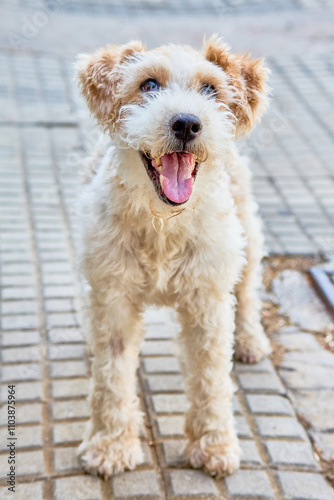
247	78
99	76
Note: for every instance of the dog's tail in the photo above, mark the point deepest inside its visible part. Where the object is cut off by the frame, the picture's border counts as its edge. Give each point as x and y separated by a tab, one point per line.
92	162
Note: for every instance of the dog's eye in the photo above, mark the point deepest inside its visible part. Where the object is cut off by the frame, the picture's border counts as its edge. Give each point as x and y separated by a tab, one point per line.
150	85
208	89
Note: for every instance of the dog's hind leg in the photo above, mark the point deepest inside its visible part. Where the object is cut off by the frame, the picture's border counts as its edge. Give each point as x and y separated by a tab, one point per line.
206	348
251	343
111	443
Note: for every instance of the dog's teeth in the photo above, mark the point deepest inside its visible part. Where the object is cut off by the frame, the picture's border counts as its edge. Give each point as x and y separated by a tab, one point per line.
159	169
158	161
161	180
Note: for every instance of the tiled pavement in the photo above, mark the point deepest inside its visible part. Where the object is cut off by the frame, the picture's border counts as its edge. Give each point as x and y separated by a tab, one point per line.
43	135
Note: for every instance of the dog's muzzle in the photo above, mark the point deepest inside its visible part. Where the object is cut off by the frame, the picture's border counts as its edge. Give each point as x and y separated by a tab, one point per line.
173	174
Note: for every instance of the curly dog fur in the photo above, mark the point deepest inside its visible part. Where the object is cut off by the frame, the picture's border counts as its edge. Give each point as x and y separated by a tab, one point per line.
168	218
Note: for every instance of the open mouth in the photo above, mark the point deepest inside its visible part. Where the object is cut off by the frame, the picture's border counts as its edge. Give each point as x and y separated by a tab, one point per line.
173	175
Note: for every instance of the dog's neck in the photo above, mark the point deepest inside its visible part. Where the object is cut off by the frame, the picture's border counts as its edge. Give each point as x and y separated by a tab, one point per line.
136	206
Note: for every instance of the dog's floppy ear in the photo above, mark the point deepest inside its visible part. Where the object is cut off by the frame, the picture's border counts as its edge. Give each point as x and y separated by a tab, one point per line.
99	75
247	78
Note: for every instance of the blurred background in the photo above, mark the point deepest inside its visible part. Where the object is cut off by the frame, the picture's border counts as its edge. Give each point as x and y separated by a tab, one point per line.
284	406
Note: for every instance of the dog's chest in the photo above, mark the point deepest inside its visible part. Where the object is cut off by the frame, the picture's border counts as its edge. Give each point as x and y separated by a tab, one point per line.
165	259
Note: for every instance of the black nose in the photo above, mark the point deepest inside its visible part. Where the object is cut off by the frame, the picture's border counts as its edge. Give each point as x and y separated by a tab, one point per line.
186	127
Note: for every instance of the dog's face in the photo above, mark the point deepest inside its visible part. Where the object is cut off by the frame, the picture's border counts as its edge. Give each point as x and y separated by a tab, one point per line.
175	106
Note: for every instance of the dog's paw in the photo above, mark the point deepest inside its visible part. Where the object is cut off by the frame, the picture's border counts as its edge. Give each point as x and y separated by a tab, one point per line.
106	456
251	347
218	453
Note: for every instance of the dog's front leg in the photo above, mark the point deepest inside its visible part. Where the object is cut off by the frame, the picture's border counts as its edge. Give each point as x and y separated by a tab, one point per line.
206	341
111	443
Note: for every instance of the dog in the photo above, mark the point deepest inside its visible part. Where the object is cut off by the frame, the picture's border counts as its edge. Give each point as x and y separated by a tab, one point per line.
168	218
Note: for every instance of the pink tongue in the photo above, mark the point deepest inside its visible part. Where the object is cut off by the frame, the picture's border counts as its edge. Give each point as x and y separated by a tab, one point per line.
177	181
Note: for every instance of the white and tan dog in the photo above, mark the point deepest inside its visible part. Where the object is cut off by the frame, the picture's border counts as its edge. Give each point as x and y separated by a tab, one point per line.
167	218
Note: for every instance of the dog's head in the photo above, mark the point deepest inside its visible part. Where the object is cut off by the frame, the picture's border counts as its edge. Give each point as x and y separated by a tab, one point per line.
177	107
